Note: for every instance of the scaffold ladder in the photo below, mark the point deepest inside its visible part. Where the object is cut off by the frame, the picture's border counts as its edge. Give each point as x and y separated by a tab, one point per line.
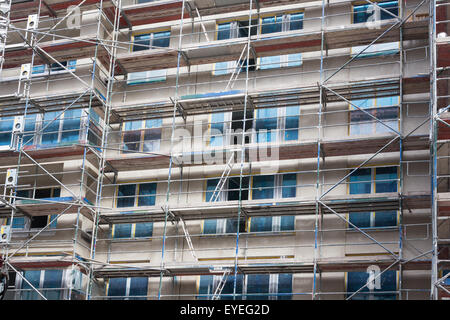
221	285
223	179
188	239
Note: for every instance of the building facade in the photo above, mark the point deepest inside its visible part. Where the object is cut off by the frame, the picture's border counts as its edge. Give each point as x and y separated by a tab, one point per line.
206	149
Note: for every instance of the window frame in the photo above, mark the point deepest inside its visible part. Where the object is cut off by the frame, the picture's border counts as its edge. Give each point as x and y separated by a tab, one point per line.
63	291
372	122
359	3
374	292
273	288
372	220
373	177
142	131
71	66
127	290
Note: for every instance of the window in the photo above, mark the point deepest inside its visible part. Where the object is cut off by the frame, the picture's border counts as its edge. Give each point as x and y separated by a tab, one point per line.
277	124
274	186
281	23
368	12
65	129
149	41
383	289
373	180
50	283
132	230
229	193
54	68
208	284
255	287
274	224
128	288
224	226
126	197
218	127
384	109
373	219
142	135
232	30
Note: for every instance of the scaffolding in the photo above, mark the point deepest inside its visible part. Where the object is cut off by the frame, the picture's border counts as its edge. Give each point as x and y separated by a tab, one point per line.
54	169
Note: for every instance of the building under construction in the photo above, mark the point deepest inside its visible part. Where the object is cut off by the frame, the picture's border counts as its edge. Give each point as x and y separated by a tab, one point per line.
224	149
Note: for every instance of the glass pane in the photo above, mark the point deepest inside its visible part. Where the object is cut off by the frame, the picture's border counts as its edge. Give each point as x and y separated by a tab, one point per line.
232	225
287	223
138	287
361	181
294	60
385	218
152	140
228	289
141	42
296	21
6	126
18	222
259	285
206	288
122	231
133	125
131	141
153	123
51	128
53	279
117	287
71	126
360	219
386	179
266	124
126	195
391	6
211	185
224	31
221	68
355	280
361	13
260	224
217	129
387	101
143	230
33	276
270	62
284	286
233	188
263	187
29	130
147	194
289	185
210	226
161	39
272	24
